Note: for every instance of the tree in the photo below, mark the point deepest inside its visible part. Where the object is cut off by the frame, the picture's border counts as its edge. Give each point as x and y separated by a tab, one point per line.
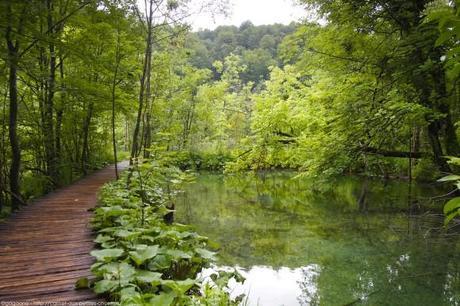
415	58
14	25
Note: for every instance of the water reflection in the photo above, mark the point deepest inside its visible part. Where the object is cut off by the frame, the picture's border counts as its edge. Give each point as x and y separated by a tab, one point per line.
269	286
352	243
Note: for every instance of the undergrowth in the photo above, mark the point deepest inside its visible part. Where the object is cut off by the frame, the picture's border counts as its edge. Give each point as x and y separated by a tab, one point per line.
144	258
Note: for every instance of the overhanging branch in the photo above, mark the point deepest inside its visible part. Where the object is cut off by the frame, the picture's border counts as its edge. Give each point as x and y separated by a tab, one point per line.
400	154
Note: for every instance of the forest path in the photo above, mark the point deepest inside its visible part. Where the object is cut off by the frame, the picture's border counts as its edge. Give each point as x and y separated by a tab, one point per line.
44	248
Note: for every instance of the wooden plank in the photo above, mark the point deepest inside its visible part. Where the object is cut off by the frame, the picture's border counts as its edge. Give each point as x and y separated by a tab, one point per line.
44	248
37	271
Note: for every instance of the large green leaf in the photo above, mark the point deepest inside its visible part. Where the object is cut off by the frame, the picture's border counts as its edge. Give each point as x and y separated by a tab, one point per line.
452	206
163	299
180	287
451	209
449	178
142	255
102	238
107	254
105	285
122	233
122	271
129	296
177	254
113	210
160	262
148	276
205	253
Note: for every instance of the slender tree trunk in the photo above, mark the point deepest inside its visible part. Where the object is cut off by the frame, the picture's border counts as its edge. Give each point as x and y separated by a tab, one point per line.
148	126
127	144
433	137
114	86
49	103
188	124
147	136
144	84
60	113
114	141
3	153
16	199
85	150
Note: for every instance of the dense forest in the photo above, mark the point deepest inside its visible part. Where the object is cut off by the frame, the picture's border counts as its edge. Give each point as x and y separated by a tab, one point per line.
371	90
257	47
75	95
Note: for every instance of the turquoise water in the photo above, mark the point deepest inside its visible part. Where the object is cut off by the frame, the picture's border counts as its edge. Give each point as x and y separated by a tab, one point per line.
353	242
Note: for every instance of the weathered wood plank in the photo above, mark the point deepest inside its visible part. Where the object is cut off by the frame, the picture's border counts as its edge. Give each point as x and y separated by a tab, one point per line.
44	248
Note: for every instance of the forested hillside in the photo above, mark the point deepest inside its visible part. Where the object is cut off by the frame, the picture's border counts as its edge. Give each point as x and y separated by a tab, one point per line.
257	47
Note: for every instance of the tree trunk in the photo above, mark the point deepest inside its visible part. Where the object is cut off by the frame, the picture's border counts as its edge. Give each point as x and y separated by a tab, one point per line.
16	199
433	136
48	125
188	124
144	81
60	114
114	86
147	135
3	153
85	150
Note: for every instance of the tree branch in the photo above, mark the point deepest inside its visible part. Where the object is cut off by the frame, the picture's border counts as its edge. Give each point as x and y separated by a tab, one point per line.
400	154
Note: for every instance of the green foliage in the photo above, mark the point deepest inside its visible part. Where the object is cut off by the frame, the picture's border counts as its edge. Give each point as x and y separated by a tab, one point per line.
447	17
452	207
361	94
144	258
256	45
68	54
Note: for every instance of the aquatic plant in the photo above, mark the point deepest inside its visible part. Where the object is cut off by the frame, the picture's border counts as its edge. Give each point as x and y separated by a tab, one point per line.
144	258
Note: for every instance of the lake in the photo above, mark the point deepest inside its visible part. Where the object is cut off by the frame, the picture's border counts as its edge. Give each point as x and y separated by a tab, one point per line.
351	242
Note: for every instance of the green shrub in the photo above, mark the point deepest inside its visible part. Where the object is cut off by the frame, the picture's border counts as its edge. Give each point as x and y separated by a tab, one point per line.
144	257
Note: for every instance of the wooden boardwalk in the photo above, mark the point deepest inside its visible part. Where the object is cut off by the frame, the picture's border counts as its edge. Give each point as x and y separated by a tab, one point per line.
44	248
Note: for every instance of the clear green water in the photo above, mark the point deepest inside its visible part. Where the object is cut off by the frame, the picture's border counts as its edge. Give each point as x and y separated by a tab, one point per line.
300	243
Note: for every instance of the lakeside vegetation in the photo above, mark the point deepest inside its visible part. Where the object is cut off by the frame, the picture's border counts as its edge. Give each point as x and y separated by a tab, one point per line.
371	89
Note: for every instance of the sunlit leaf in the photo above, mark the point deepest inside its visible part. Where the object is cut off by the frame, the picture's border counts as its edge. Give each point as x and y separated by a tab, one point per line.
449	178
180	287
104	286
205	253
142	255
178	254
148	276
163	299
107	254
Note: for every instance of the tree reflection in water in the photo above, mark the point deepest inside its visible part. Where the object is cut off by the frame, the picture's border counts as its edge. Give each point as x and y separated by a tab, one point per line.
301	243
